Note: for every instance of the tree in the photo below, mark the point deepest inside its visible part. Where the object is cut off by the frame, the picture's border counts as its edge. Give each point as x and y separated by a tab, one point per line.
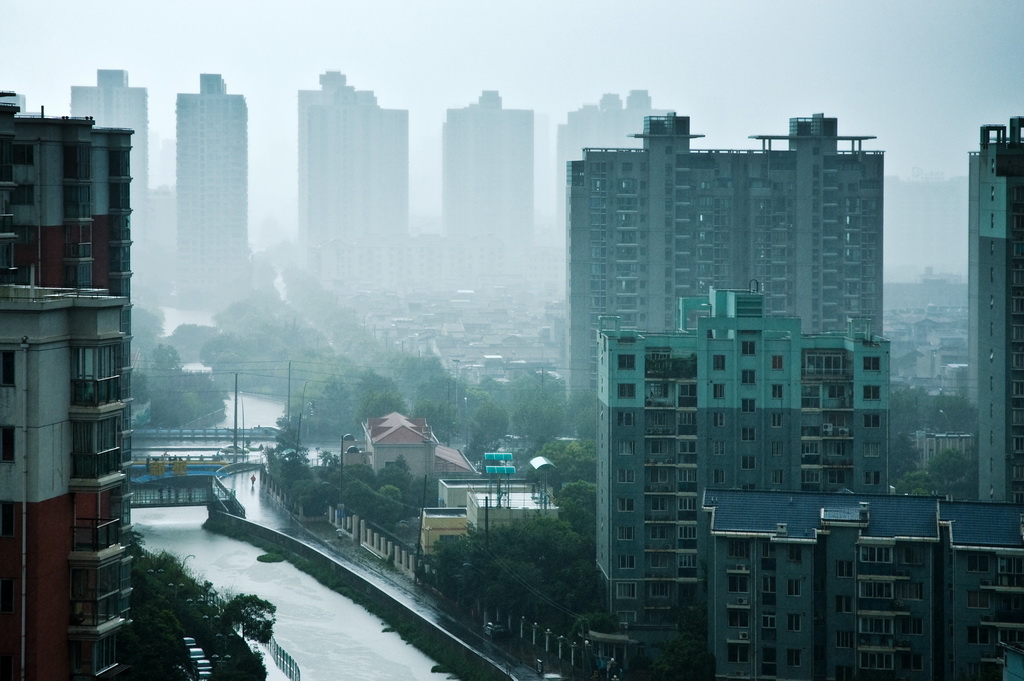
487	427
440	417
254	614
574	460
686	657
581	413
389	505
577	505
538	409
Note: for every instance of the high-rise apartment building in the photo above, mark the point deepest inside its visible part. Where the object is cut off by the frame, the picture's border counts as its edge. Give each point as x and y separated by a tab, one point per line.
487	175
113	104
648	226
353	171
212	193
65	330
605	124
996	292
859	586
733	399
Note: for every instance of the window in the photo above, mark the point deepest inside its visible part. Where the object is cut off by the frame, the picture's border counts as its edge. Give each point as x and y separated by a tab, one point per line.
718	419
872	392
793	657
912	555
624	533
659	504
718	362
872	477
718	446
792	587
627	447
739	584
872	420
625	590
844	639
748	377
739	618
6	444
718	475
625	504
627	562
658	589
776	362
875	660
6	595
24	154
876	554
687	531
977	563
776	391
747	347
795	554
911	626
6	519
659	532
979	635
626	475
875	625
872	449
768	584
777	476
776	419
748	434
748	463
627	362
739	652
7	368
793	621
979	599
913	591
627	391
875	590
768	621
844	603
23	195
748	405
872	364
844	568
738	548
625	418
718	391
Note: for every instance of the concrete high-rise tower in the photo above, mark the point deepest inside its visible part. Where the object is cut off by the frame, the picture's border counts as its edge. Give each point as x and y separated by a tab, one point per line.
353	170
113	104
488	174
65	398
802	225
605	124
212	193
996	266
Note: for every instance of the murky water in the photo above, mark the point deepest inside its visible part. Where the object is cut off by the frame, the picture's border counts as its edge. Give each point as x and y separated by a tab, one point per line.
329	636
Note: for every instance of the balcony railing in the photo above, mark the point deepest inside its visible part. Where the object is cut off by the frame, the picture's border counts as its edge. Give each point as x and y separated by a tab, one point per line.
95	613
97	534
93	465
94	392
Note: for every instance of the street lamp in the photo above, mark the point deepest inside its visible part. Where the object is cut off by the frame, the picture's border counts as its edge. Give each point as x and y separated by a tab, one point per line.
561	640
547	638
522	623
572	655
534	633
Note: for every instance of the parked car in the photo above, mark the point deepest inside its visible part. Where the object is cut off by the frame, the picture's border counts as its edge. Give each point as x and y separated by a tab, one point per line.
496	630
189	641
196	653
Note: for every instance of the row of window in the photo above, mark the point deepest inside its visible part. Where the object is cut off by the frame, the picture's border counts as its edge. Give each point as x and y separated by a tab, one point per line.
813	362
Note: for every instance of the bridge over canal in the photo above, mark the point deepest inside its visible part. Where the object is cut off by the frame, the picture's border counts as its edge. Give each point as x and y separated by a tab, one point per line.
186	483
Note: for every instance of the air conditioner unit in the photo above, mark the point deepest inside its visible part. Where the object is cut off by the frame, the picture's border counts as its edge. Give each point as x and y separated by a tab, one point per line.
898	603
844	431
826	429
742	568
744	635
741	601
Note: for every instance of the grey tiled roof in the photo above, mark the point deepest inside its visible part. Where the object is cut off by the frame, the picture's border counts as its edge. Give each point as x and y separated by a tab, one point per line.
983	524
761	511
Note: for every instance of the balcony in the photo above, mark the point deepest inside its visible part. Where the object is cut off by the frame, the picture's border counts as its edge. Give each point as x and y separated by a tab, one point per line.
96	465
678	368
77	250
93	613
94	392
96	534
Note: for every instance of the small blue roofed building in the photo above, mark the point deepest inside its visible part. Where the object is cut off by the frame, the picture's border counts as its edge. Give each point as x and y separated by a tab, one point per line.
807	585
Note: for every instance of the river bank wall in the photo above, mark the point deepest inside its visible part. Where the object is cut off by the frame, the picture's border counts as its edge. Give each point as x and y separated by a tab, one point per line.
427	635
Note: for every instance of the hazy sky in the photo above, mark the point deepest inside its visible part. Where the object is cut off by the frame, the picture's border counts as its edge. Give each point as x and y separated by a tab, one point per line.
921	75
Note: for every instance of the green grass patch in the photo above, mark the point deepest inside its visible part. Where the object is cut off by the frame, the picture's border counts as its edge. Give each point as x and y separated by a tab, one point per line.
272	557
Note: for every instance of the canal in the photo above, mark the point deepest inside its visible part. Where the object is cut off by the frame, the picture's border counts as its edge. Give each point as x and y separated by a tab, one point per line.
329	636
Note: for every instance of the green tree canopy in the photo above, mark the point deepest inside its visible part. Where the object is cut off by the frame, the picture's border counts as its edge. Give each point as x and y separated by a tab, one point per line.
254	614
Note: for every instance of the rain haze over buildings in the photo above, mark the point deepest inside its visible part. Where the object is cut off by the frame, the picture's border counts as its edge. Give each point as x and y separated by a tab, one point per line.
919	76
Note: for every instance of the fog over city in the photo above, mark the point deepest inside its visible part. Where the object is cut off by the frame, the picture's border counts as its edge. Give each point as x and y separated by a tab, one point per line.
920	75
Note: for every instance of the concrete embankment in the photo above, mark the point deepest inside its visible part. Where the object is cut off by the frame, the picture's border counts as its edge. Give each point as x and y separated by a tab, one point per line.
427	634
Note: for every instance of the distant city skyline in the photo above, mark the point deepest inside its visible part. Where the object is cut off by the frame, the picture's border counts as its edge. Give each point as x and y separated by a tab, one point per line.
889	76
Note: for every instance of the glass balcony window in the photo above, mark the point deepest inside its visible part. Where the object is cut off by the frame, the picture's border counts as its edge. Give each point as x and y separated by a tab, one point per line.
91	393
96	534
